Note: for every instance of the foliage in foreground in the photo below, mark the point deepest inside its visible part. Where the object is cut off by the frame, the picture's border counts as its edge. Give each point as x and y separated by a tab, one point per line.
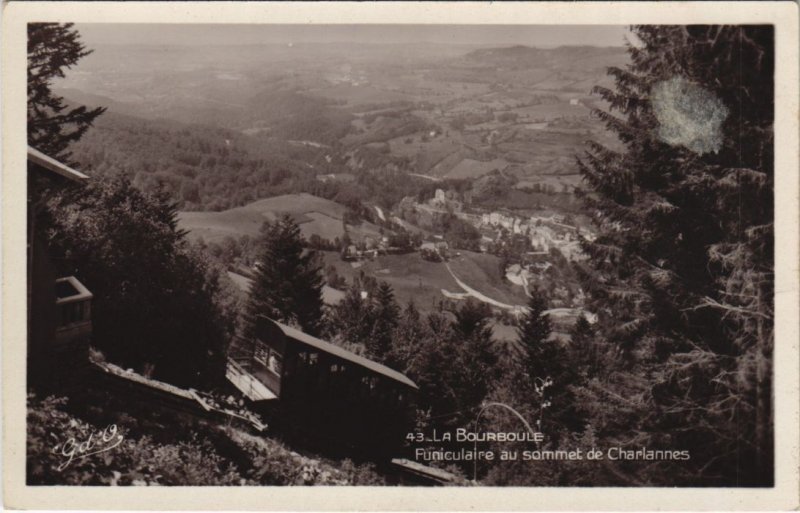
134	462
52	126
206	457
682	269
157	304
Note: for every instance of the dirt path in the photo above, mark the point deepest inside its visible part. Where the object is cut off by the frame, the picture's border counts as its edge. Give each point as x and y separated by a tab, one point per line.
431	178
479	296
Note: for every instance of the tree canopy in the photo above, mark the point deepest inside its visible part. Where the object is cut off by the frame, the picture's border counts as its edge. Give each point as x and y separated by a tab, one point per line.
52	124
682	268
288	282
156	300
158	305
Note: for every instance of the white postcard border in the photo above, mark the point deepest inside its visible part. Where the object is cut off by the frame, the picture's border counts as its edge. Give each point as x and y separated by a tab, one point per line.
785	494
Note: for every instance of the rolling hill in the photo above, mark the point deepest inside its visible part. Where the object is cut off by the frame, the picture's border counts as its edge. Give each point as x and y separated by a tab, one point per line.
202	167
315	215
420	281
565	68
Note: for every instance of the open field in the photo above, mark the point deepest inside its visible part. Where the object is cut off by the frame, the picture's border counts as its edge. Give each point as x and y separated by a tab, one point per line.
481	272
411	277
414	279
359	94
505	335
470	168
550	111
315	216
330	295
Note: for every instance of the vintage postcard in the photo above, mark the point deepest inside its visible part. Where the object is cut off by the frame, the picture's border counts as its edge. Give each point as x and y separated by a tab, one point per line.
400	256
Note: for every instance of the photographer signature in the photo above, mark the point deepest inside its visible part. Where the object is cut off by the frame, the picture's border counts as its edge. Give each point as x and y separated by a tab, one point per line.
97	442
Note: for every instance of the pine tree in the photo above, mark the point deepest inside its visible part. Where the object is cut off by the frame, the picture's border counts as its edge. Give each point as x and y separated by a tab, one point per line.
432	365
408	338
472	355
533	334
288	282
472	321
352	320
52	126
582	331
582	345
683	260
550	373
387	314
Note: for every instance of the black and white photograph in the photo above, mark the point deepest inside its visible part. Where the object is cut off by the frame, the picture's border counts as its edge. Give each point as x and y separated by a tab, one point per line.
387	255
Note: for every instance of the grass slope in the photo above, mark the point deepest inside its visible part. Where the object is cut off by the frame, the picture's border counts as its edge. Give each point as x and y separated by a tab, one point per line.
315	215
420	281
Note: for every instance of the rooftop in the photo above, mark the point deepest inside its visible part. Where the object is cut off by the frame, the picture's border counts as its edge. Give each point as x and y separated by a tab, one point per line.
344	354
40	159
70	290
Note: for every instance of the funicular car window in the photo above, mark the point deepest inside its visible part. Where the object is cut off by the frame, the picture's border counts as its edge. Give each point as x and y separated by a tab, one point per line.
261	354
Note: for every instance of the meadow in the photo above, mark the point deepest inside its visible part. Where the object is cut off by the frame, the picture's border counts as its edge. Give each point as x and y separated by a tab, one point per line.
315	216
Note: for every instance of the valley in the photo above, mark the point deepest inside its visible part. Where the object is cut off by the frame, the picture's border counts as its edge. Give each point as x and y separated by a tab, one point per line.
279	254
411	164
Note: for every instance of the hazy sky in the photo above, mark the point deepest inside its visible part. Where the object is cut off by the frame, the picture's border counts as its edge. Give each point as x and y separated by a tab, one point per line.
530	35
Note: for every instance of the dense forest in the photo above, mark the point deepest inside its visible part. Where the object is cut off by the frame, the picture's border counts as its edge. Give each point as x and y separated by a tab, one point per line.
203	168
207	168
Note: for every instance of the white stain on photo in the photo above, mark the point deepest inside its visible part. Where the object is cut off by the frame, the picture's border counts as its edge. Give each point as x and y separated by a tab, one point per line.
688	115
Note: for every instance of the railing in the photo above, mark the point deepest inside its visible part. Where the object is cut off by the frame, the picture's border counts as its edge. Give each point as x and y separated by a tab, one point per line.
240	361
157	394
238	372
235	367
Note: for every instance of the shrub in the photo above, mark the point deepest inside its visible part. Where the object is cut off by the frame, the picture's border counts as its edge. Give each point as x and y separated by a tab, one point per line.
52	434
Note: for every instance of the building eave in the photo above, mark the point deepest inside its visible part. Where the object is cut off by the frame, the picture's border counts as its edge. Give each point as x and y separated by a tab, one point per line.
40	159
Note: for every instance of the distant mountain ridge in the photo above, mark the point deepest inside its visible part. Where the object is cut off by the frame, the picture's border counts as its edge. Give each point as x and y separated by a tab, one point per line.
564	68
561	56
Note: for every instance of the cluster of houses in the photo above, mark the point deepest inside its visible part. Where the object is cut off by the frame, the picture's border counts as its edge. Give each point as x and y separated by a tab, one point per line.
370	248
544	233
441	201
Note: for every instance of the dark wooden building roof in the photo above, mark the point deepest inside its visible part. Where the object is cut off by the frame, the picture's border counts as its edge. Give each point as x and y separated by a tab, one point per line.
41	160
340	352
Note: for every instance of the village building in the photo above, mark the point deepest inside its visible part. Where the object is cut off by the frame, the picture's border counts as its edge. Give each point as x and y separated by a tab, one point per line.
59	307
